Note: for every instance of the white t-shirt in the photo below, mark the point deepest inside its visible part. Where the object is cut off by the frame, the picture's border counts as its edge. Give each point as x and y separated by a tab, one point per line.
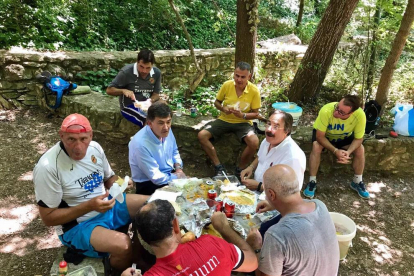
287	153
61	181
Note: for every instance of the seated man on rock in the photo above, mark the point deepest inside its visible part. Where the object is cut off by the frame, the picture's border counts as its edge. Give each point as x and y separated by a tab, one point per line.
153	153
339	128
208	255
304	241
277	148
71	182
239	102
140	81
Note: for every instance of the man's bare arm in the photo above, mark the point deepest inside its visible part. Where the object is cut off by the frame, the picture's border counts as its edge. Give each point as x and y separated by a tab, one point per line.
113	91
221	224
58	216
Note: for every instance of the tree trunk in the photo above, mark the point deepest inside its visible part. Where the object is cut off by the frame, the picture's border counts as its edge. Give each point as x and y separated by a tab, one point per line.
373	57
246	30
200	73
318	57
300	15
394	56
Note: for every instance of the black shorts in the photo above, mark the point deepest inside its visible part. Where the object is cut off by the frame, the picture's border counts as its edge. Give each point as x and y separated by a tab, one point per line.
219	127
340	144
147	187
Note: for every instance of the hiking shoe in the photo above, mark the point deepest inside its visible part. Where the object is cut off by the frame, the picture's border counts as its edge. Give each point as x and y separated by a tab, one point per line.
310	189
219	169
360	188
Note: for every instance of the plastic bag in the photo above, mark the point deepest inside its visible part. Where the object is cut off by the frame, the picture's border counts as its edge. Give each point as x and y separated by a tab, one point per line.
404	119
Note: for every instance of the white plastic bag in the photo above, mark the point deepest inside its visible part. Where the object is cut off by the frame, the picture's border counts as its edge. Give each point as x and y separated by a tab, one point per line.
404	119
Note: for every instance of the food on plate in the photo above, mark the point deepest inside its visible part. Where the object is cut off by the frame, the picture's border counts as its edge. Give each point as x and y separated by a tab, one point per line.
226	182
177	208
240	197
187	237
211	231
119	181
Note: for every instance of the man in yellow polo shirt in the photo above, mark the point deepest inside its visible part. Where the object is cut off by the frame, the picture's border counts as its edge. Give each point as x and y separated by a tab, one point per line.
340	128
239	102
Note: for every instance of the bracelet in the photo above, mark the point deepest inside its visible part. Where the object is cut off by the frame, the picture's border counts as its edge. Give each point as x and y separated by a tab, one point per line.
335	150
178	167
244	116
257	250
259	187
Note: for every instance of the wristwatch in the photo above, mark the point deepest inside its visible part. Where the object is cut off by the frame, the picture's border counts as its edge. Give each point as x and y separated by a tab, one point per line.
244	116
257	250
178	167
259	187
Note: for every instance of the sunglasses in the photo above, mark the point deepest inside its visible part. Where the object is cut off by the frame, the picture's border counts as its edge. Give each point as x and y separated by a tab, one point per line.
340	111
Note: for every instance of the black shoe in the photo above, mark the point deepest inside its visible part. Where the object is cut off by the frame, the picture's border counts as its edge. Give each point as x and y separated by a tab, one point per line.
107	266
219	169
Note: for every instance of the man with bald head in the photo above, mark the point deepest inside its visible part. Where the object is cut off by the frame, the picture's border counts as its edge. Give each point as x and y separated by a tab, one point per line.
71	183
304	241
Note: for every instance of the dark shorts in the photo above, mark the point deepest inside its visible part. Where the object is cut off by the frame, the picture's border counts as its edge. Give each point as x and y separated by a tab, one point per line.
134	115
146	187
218	127
339	144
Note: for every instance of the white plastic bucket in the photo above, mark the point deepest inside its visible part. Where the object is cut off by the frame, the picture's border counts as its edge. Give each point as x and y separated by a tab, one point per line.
343	222
291	108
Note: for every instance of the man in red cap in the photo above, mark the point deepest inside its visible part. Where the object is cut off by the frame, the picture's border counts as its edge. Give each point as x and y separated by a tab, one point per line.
72	180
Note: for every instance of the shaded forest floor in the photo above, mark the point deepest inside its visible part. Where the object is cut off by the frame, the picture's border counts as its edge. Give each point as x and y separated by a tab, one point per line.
383	244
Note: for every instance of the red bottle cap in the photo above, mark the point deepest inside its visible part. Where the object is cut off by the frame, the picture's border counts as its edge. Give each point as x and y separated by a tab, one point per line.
63	264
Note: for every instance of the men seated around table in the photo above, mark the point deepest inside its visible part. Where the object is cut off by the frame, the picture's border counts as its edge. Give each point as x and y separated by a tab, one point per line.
339	128
304	241
153	153
277	148
239	102
208	255
71	181
139	81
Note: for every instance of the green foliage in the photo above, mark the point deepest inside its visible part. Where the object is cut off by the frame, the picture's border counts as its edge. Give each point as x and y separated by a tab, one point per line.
97	80
202	99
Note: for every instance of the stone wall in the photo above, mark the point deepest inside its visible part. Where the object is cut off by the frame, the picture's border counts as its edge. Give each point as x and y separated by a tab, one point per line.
391	156
18	68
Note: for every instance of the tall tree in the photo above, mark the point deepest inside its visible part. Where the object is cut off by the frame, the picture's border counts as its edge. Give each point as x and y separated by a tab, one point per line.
373	56
300	14
318	57
200	73
246	31
395	53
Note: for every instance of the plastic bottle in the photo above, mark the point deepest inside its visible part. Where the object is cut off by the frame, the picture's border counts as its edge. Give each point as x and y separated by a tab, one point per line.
193	112
63	268
179	109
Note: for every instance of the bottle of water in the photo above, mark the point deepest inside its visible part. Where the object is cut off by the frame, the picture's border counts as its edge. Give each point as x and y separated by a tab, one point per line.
179	109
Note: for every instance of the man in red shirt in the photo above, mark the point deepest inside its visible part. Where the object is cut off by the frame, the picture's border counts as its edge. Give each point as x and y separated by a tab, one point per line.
207	255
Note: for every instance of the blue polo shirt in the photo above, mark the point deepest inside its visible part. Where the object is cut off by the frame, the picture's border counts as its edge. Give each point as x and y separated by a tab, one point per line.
152	159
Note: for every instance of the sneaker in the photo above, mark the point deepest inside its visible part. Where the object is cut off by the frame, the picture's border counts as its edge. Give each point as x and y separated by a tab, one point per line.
360	188
219	169
310	189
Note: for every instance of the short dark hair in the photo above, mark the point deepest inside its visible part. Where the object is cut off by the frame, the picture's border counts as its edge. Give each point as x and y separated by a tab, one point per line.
154	221
287	119
158	109
146	56
353	101
243	66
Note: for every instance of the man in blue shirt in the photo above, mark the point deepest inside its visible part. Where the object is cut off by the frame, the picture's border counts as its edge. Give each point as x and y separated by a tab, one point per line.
153	153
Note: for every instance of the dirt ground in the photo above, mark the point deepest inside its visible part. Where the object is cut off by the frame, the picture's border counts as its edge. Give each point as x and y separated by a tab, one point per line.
384	244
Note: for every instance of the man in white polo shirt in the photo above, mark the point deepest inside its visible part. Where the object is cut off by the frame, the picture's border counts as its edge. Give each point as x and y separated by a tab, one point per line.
277	148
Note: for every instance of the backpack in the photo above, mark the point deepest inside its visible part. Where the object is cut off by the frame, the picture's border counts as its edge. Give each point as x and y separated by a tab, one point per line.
54	85
372	111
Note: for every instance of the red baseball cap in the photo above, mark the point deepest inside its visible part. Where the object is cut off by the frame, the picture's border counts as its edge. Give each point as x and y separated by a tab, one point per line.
78	120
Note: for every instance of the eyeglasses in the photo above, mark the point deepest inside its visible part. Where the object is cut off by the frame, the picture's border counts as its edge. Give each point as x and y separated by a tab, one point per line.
340	111
273	127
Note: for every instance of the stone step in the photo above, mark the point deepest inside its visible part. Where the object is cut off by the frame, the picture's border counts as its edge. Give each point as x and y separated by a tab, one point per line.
96	263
